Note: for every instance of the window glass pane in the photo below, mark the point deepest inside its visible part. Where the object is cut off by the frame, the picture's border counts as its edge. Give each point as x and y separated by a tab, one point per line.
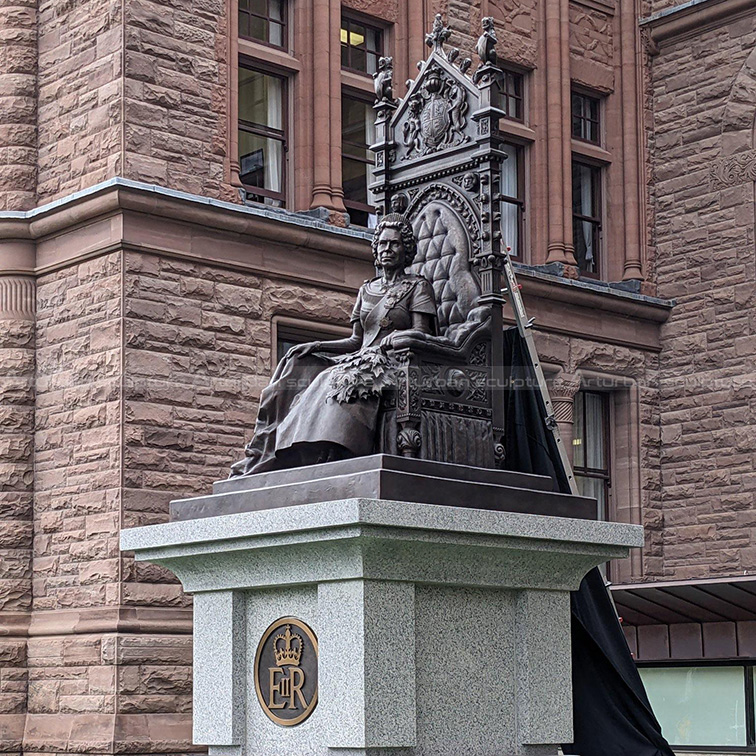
358	59
596	489
260	161
258	28
356	35
510	227
355	117
354	180
698	706
275	10
578	432
276	34
585	240
373	39
258	7
243	24
510	184
594	431
260	98
583	193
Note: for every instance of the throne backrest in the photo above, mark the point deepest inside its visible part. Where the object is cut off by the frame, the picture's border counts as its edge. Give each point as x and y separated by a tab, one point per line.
443	257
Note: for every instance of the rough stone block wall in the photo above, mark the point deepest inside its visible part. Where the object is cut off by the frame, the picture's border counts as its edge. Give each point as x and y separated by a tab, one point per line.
79	107
176	95
18	104
704	156
78	412
16	494
110	693
517	28
197	355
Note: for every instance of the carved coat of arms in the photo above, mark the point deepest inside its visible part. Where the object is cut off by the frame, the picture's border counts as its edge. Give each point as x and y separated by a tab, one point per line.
436	116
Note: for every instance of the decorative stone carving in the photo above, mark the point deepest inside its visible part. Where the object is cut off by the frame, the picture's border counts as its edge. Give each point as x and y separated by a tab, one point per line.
486	47
438	34
468	181
733	171
383	81
437	115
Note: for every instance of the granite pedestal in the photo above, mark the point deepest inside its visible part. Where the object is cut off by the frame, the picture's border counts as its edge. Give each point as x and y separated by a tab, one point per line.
442	629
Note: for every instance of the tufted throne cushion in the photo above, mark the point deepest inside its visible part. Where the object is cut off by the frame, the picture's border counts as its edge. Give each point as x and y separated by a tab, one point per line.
443	257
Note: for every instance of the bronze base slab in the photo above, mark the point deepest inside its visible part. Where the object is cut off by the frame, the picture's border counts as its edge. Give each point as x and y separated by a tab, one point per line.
383	476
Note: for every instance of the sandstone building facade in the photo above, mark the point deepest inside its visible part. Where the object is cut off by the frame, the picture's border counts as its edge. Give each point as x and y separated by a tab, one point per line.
183	193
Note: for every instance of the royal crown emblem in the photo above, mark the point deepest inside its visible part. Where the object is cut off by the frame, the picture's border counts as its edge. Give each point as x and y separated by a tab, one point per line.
287	648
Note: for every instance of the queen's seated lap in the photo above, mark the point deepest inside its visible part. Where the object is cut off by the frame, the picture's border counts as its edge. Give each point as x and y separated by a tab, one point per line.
323	401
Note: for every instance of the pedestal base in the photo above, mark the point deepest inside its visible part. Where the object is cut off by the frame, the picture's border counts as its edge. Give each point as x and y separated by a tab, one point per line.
441	630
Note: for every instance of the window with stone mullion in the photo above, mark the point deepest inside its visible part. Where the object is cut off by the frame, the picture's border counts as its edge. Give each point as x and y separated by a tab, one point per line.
590	445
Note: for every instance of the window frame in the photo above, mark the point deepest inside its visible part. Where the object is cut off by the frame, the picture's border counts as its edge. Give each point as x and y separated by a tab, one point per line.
596	221
281	135
513	74
349	204
346	20
587	98
520	201
750	700
284	24
584	471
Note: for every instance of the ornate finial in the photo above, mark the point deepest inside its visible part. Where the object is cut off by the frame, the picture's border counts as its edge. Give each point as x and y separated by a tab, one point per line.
465	65
438	35
383	81
486	47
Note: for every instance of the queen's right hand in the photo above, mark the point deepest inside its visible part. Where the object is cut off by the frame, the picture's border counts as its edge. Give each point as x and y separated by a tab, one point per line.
302	350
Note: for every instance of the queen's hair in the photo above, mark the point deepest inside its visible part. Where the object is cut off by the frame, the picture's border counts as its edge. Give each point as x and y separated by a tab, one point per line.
399	222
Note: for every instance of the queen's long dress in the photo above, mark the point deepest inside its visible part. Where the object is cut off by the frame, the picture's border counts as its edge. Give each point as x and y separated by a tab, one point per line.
321	407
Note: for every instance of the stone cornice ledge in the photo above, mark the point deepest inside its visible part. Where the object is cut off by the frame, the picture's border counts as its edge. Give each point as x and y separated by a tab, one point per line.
20	232
116	194
693	17
594	294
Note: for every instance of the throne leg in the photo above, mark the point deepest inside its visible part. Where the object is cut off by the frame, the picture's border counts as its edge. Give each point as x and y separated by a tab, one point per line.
408	440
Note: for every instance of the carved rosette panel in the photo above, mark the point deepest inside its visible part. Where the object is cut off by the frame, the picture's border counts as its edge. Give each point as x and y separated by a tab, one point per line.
733	171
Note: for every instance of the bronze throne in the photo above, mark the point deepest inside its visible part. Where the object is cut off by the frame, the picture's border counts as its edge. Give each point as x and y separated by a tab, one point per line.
439	160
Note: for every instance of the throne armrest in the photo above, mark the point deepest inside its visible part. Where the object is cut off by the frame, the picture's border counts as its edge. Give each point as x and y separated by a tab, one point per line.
455	347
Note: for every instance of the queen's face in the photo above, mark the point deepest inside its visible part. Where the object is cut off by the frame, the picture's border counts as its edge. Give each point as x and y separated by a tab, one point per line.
390	249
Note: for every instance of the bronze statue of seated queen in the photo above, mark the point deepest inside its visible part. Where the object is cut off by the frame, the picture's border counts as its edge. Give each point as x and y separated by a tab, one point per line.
323	401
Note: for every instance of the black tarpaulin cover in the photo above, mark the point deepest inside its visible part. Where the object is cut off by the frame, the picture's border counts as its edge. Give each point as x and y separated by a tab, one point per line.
611	711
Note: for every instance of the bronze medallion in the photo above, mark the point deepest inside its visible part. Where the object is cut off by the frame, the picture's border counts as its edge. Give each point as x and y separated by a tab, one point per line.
286	671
